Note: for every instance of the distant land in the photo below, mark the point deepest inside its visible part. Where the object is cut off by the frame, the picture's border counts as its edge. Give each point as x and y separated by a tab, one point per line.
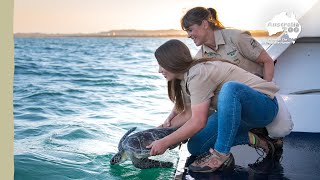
130	33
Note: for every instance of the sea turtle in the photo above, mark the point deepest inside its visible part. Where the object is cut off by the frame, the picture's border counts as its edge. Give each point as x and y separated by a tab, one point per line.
134	146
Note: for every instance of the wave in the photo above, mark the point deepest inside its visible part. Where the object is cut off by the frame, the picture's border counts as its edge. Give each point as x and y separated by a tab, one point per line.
74	98
31	117
40	95
72	134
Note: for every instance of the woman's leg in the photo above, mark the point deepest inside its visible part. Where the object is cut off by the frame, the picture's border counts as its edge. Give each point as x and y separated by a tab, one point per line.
248	112
206	138
241	108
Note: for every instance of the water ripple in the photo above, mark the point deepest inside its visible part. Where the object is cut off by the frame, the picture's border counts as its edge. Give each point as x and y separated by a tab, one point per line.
74	98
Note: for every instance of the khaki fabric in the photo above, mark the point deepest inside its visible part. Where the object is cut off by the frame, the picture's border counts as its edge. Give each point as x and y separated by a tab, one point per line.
236	46
204	81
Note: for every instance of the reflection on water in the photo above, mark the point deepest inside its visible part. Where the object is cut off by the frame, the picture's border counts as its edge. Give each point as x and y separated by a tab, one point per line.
267	168
263	168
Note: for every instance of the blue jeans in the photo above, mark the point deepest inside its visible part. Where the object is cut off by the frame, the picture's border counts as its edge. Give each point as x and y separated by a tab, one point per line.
240	108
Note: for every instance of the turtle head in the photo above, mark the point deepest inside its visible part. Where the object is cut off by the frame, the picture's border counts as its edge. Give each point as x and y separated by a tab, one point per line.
118	158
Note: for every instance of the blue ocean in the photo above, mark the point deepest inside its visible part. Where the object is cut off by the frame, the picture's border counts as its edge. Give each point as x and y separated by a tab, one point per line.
74	98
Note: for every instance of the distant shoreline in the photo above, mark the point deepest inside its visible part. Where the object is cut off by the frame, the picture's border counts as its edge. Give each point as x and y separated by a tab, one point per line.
126	34
89	36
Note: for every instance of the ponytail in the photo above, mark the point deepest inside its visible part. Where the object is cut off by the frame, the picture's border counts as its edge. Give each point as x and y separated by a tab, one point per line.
213	13
197	15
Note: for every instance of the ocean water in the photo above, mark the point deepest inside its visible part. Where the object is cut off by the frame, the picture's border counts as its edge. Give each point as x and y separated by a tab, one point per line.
74	98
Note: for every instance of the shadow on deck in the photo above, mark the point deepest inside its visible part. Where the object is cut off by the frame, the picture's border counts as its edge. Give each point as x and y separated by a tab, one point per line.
300	160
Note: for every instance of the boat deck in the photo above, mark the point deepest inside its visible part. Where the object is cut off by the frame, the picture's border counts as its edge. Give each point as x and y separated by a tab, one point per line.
300	160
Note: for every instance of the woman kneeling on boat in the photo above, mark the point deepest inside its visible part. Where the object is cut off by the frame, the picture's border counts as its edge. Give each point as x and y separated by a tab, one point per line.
216	103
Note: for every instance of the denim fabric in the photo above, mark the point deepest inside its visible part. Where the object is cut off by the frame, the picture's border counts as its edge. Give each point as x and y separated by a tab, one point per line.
240	108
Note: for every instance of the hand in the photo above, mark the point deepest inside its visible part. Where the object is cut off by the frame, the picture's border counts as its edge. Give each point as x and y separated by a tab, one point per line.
158	147
167	123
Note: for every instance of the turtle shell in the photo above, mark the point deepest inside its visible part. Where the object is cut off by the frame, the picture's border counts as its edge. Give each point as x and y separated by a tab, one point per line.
136	143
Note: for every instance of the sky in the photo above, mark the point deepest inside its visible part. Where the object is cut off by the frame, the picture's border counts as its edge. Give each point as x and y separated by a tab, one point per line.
92	16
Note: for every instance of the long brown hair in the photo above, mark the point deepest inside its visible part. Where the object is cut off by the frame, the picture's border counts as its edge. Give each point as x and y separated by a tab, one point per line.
197	15
174	56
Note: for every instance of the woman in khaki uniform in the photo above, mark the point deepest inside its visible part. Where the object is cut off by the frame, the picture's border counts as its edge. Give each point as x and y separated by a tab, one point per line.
239	47
216	104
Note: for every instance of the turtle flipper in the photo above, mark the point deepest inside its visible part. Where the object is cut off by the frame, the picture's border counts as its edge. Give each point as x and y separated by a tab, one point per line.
124	137
146	163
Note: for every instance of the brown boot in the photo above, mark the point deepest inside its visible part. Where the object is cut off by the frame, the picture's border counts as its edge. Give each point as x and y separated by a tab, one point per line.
263	143
212	161
277	142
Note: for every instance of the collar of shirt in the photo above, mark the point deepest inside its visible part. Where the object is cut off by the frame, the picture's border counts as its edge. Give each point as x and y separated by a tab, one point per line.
218	39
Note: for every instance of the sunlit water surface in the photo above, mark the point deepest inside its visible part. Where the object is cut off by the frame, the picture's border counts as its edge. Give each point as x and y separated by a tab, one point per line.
74	98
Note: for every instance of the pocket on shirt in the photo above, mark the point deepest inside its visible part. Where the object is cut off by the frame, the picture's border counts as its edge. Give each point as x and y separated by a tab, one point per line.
232	55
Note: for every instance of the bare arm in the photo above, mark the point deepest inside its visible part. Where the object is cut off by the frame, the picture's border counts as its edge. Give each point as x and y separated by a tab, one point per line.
196	122
176	119
252	50
167	122
180	118
268	65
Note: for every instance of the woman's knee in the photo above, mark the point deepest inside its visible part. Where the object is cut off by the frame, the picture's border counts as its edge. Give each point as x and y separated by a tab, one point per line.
229	91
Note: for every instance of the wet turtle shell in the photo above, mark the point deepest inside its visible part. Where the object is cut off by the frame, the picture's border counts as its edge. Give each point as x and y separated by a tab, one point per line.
134	146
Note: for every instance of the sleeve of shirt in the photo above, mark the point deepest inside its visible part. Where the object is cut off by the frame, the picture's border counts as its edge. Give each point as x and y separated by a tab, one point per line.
201	86
185	95
248	46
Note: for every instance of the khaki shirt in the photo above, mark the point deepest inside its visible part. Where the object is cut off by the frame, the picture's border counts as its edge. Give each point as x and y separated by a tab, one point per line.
236	46
203	81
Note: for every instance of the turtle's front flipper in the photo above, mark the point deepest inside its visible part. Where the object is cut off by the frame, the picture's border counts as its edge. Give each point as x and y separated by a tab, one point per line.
146	163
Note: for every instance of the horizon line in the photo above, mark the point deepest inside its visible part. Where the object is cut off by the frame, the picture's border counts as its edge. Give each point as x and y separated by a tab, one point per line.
99	32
